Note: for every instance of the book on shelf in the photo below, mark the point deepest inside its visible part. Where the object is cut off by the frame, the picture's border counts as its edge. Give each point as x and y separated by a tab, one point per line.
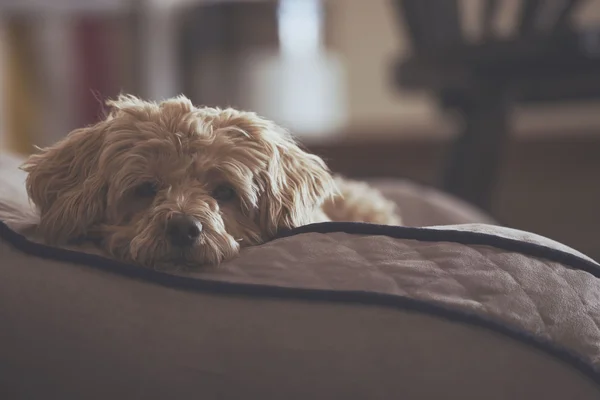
58	71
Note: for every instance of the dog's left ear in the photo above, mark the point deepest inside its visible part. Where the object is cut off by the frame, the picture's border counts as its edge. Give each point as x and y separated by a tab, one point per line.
297	183
293	183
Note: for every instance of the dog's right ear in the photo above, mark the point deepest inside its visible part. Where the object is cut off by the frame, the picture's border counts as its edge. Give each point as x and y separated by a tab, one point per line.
64	183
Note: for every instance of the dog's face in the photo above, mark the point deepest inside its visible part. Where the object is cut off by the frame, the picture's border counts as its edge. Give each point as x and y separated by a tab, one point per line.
169	183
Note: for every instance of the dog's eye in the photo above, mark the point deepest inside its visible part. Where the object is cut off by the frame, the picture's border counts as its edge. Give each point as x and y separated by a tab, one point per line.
223	193
146	189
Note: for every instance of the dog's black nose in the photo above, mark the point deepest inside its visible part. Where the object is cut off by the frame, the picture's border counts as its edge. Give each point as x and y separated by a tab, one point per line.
183	230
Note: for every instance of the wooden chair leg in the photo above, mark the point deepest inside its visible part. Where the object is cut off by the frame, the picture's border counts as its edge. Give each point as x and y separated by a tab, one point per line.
472	169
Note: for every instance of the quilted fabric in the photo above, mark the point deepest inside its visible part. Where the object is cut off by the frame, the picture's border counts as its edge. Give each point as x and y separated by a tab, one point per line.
548	299
555	301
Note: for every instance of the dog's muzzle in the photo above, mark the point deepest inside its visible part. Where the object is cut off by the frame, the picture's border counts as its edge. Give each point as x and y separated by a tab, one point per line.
183	230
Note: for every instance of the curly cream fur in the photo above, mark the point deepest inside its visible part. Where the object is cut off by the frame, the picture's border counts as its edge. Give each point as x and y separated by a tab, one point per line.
85	185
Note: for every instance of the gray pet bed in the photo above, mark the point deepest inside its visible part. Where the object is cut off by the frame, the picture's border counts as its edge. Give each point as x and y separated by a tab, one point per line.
327	311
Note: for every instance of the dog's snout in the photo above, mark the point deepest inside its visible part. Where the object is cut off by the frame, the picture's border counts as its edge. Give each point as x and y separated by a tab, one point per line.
183	230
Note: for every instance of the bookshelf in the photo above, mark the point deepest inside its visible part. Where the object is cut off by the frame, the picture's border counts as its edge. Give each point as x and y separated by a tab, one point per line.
81	51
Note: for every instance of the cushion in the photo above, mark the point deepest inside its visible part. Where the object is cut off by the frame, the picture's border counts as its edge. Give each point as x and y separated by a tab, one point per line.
332	310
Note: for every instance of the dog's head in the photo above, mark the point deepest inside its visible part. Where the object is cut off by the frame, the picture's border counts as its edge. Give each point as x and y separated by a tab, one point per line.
171	183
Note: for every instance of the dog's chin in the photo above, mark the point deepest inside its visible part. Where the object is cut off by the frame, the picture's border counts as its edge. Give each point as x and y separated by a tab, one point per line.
201	255
194	257
159	254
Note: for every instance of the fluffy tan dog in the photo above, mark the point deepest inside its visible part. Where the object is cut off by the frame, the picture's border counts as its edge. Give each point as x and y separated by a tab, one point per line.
168	183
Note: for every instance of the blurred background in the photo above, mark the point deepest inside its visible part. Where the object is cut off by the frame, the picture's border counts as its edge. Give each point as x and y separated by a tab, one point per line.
497	102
